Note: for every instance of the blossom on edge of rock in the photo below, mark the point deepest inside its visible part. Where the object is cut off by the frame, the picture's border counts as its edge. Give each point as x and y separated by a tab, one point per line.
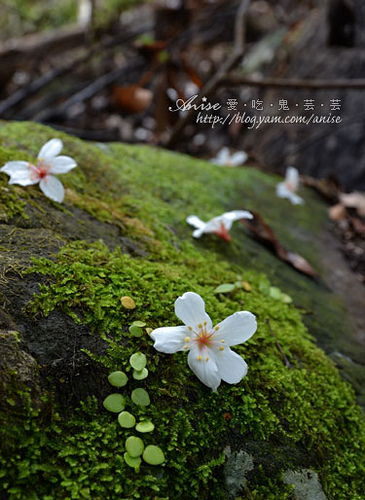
219	225
226	159
49	163
290	185
210	356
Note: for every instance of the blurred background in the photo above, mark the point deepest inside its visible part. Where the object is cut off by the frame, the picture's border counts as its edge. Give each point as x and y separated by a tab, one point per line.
108	70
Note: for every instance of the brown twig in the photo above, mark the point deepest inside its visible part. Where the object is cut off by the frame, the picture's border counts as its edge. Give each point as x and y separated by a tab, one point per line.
212	84
294	83
286	361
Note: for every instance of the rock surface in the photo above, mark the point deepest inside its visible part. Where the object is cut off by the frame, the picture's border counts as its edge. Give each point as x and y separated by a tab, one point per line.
121	232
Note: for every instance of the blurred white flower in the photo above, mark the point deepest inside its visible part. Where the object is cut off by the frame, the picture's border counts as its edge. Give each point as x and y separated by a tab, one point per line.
290	185
225	159
210	356
26	174
219	225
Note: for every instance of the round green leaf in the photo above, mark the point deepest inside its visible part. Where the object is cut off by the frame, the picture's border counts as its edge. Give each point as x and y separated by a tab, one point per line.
140	397
114	403
134	462
140	375
138	361
225	288
134	446
153	455
275	292
126	419
141	324
145	426
118	379
135	331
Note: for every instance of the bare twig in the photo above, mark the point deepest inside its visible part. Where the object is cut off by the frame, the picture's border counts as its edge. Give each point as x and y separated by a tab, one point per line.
286	361
294	83
212	84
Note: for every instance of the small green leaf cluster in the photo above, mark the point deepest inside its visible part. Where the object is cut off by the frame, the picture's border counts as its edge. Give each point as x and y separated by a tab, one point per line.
116	403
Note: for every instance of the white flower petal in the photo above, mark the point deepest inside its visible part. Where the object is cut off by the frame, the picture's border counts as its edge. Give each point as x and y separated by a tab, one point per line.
214	224
235	329
14	166
190	308
229	217
61	164
193	220
292	177
52	188
231	366
283	192
238	158
198	232
223	156
204	367
50	149
23	178
295	199
238	214
170	339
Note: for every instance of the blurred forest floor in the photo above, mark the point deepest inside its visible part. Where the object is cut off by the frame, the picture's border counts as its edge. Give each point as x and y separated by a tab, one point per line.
110	71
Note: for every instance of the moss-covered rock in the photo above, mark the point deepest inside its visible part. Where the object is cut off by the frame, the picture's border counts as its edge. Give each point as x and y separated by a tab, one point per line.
122	232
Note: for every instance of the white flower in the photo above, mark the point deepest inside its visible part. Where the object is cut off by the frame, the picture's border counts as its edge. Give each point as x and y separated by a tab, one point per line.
219	225
225	159
210	356
26	174
288	188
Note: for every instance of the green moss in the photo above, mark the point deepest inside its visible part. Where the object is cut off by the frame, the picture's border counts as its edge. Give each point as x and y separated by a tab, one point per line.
303	416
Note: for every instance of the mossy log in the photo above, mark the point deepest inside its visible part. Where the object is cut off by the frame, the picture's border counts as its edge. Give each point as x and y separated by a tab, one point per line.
287	430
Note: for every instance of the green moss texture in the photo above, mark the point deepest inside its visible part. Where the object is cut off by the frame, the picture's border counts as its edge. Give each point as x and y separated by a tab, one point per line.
121	232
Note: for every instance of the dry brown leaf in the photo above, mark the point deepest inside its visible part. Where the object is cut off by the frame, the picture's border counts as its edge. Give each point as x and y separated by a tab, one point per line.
266	235
132	98
337	212
354	200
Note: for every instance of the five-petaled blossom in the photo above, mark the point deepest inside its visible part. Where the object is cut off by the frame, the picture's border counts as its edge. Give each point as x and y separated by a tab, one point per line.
48	163
288	188
210	356
225	159
219	225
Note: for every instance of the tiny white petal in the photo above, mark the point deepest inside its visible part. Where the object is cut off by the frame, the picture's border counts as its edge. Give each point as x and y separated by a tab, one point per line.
170	339
214	224
223	156
61	164
52	188
295	199
292	177
204	367
231	366
190	308
283	192
50	149
236	329
14	166
238	158
198	232
193	220
238	214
